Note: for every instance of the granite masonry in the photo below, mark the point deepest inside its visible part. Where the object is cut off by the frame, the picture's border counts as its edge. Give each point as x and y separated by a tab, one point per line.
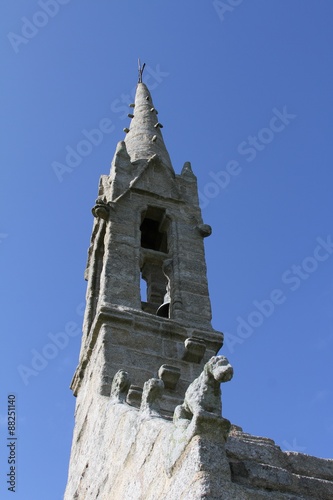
148	418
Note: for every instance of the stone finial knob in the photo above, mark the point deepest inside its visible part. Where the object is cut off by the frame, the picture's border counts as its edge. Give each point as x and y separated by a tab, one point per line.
205	230
101	210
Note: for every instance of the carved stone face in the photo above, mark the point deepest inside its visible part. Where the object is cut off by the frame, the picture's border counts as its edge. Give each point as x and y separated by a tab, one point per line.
121	381
153	387
221	369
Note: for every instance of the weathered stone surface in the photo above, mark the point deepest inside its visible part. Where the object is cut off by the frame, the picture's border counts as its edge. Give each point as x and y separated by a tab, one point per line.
122	455
133	458
134	396
306	465
258	463
172	349
170	376
273	478
195	349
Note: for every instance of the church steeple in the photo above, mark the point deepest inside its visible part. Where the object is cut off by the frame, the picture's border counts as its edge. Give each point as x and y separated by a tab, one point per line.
148	228
144	138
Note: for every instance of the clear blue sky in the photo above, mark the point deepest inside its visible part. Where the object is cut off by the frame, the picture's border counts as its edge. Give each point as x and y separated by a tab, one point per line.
245	94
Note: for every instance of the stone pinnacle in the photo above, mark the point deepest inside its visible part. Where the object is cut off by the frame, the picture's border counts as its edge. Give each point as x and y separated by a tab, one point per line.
144	138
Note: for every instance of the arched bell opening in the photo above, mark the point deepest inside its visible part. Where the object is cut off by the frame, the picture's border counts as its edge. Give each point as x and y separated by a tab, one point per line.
154	229
154	251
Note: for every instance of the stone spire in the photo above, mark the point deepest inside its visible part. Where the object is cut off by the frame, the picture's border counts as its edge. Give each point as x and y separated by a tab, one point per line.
144	138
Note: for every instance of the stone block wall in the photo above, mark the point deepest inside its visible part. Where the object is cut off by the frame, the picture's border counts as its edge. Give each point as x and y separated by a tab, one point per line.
122	454
140	343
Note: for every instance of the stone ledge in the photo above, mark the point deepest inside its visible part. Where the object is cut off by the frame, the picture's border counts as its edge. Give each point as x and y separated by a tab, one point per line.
257	462
310	466
269	477
241	446
111	314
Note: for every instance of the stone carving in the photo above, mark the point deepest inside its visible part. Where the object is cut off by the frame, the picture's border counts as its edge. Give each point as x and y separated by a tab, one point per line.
152	392
120	386
205	230
101	209
203	396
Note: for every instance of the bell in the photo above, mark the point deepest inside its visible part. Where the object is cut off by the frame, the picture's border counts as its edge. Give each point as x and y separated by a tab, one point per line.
163	310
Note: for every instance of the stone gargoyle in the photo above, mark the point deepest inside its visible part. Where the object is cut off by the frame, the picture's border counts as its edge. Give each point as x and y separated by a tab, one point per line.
203	396
152	392
120	386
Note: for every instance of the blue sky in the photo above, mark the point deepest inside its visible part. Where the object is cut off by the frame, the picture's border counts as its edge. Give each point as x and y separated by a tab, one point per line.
243	90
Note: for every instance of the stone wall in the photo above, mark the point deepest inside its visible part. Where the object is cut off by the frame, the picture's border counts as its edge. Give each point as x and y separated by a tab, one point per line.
121	453
141	343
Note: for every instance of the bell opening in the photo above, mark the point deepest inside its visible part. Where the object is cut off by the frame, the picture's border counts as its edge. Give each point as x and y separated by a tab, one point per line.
154	230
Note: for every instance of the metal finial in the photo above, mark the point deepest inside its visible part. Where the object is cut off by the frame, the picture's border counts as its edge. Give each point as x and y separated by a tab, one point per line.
140	70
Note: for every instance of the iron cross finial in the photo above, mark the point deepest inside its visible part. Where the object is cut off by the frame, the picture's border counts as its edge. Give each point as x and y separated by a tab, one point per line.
140	70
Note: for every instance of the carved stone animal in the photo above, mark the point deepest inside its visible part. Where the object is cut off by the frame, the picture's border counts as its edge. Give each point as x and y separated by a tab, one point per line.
203	396
120	386
152	392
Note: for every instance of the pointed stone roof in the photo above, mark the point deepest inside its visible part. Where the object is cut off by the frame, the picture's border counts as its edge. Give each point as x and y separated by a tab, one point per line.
144	138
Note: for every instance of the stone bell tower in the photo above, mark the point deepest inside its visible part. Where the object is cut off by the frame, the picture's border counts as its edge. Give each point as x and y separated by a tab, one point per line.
147	228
